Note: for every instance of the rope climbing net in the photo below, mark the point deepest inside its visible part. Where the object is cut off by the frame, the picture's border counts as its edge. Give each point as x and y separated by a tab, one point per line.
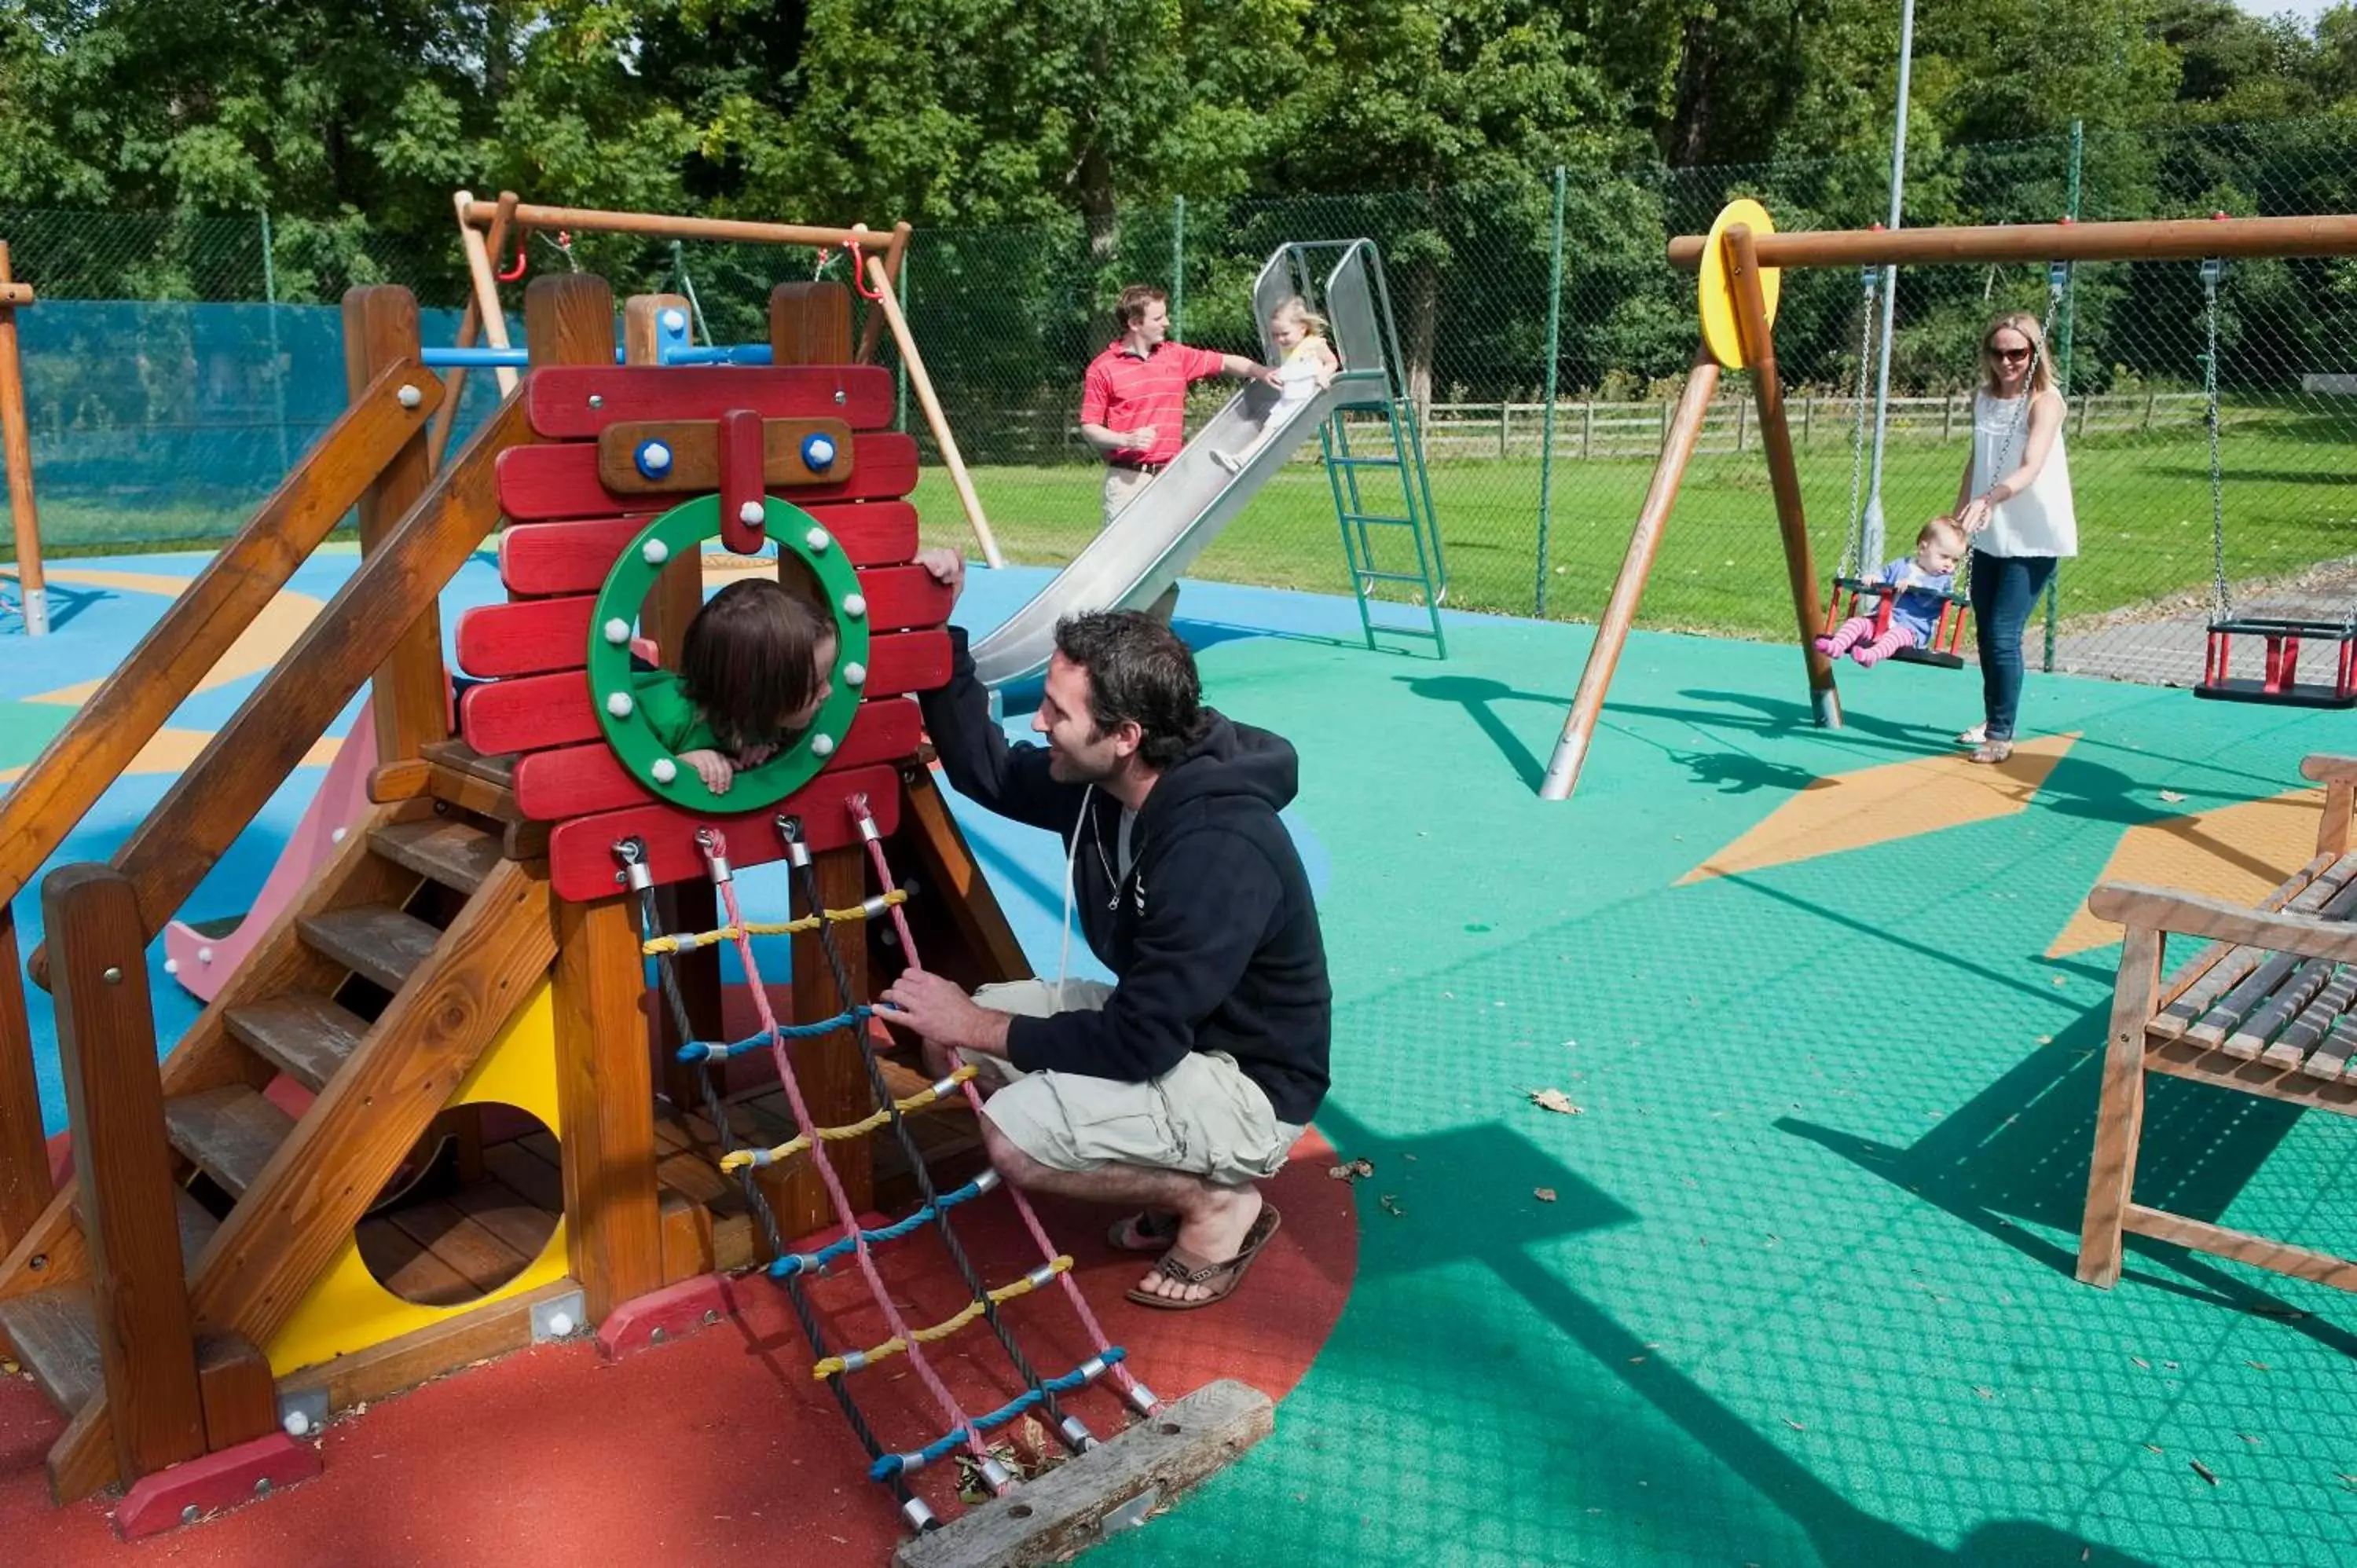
964	1430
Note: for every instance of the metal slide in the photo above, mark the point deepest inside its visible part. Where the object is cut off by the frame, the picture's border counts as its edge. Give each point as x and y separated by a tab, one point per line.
1183	508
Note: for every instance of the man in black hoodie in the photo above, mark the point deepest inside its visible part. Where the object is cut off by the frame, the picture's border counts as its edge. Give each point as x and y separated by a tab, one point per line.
1180	1086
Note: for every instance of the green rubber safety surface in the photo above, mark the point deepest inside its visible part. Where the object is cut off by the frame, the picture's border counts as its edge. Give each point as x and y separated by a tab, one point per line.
1794	1285
681	532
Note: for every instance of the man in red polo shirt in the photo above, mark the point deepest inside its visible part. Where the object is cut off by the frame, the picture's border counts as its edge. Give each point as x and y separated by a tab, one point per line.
1133	398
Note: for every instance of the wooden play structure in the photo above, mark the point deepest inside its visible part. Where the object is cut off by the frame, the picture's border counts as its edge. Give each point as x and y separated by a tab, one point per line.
430	1117
1739	265
2266	1009
16	456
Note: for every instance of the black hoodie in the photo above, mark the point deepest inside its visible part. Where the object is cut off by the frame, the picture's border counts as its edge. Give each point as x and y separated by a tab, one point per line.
1213	937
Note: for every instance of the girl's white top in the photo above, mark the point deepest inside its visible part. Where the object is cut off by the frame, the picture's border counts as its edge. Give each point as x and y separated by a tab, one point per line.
1296	380
2041	520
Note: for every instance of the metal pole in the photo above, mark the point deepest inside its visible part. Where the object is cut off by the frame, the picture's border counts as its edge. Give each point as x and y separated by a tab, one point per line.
899	366
1178	268
1546	420
2062	362
278	362
1872	524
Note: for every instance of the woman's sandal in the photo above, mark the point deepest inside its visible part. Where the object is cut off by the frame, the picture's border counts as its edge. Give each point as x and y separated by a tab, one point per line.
1147	1230
1220	1279
1993	751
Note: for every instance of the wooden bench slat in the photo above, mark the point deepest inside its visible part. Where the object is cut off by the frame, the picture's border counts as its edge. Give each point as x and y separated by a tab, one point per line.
2315	1019
544	559
2330	1058
2249	1038
2221	967
575	780
535	713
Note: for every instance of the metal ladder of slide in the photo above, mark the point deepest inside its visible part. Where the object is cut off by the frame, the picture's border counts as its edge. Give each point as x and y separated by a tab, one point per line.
1377	544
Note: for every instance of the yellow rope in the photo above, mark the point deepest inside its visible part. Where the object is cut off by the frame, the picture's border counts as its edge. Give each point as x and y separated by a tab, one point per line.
944	1329
656	946
737	1160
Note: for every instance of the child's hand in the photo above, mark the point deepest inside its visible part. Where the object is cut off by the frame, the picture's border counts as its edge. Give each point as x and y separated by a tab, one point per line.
712	767
947	566
754	755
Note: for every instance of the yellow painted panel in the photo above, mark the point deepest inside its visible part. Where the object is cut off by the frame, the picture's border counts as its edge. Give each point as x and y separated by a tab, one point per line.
348	1310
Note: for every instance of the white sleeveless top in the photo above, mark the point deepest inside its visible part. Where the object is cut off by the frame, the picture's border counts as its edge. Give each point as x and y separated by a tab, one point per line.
1296	380
2041	520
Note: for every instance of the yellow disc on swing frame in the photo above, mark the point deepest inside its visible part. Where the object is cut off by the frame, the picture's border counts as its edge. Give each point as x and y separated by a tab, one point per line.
1720	333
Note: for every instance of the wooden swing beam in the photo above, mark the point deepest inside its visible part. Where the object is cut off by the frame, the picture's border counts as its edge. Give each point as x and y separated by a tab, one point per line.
1747	256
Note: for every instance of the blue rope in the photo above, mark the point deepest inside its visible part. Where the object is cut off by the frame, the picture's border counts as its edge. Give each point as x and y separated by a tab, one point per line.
805	1262
706	1050
940	1448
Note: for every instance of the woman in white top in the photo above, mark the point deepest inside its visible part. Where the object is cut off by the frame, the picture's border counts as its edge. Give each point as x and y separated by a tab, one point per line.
2014	501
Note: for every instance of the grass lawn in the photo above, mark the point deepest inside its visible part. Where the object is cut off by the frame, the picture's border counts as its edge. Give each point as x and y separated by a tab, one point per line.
2144	523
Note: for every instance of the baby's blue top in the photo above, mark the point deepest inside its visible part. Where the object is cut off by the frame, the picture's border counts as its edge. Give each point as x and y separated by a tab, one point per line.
1917	604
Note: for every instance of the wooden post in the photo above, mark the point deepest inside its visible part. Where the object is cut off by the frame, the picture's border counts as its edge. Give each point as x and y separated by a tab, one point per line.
1505	417
470	325
923	384
2119	1115
606	1098
2084	403
1784	472
569	319
115	1092
1947	415
1586	429
24	1151
485	282
1740	410
16	452
834	1083
412	690
1808	418
1628	588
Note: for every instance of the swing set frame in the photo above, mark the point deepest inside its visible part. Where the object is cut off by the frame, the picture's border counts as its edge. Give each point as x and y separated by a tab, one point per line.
1738	265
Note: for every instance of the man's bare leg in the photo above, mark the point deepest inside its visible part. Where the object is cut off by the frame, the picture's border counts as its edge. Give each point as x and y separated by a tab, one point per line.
1212	1220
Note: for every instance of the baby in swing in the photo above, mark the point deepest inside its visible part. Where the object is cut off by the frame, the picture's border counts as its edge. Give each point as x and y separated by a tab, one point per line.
1923	581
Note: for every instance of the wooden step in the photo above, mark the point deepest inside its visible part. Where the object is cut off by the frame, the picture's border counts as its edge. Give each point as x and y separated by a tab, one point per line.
453	852
55	1336
374	940
302	1032
231	1134
197	1227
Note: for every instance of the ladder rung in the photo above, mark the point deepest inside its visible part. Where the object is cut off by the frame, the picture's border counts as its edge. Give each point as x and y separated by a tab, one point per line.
1349	462
1363	517
1367	575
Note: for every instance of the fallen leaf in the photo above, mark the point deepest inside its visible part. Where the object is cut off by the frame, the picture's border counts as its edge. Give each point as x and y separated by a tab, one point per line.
2257	1365
2155	1447
1794	1425
2171	796
2141	1362
1544	1194
1555	1100
1985	1392
2203	1471
1352	1170
1390	1207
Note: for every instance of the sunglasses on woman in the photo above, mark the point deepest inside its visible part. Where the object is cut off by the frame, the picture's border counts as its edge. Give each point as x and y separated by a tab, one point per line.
2008	355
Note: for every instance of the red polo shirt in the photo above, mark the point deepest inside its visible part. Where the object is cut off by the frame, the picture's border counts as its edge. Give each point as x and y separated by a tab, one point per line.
1122	391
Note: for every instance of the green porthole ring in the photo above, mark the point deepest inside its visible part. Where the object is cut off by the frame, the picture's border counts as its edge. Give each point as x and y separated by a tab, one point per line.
682	531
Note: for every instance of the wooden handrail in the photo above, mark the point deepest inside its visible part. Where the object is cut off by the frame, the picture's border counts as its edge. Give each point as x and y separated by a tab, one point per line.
211	802
594	220
99	742
2160	240
2137	906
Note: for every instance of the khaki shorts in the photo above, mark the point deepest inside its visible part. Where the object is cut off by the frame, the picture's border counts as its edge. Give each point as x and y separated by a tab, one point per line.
1203	1117
1121	487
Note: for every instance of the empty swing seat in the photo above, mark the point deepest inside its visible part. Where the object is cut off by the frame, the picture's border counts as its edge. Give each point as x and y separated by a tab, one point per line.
2279	680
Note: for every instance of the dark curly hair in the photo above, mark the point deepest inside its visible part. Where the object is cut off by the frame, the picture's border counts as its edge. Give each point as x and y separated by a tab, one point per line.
1138	671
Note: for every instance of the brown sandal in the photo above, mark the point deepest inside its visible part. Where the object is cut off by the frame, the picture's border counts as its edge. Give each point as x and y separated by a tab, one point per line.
1991	751
1147	1230
1220	1279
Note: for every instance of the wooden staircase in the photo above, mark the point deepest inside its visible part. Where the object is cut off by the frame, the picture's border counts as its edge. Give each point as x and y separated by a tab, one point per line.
372	998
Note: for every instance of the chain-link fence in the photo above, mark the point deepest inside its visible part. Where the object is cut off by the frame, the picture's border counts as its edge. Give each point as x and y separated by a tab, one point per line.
1546	339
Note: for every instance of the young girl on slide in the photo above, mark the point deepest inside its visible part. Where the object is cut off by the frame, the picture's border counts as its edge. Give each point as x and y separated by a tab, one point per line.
1923	581
753	673
1306	367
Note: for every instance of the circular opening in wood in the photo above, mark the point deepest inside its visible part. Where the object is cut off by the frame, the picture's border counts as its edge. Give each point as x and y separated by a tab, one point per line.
473	1204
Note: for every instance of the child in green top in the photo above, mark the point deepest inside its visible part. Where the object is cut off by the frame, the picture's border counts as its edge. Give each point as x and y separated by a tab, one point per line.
753	672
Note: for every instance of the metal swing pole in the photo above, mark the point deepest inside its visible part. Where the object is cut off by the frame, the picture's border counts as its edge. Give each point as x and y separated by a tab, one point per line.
1872	537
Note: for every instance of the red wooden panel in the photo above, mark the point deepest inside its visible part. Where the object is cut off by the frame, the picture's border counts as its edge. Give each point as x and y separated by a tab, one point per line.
581	865
741	482
556	397
538	558
533	713
575	780
538	484
530	637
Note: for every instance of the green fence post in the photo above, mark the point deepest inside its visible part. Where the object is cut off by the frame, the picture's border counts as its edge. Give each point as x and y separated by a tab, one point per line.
2062	361
277	359
1178	268
1546	419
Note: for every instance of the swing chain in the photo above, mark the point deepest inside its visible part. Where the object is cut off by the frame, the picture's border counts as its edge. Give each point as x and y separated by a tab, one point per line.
2220	596
1853	562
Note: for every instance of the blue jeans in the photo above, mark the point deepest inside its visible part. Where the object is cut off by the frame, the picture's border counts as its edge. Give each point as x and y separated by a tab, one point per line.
2004	587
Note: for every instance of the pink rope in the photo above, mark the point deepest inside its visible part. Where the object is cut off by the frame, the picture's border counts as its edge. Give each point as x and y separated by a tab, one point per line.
715	848
1120	1372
